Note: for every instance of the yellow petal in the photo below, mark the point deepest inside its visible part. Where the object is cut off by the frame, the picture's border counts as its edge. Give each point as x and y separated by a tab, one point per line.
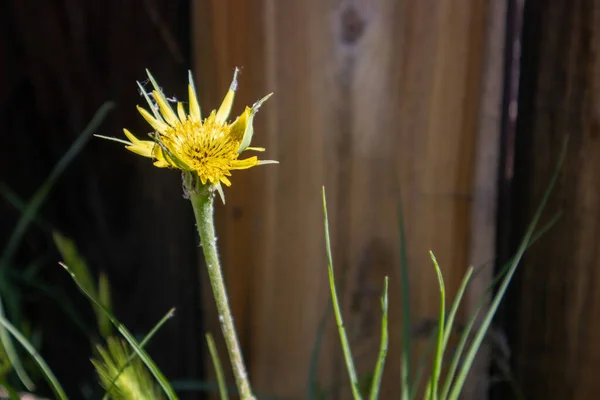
160	158
174	160
226	181
158	126
165	108
225	108
238	127
249	129
181	112
195	114
130	136
244	164
141	147
211	117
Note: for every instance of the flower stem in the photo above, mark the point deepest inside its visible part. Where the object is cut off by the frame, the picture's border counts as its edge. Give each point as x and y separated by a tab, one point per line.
203	203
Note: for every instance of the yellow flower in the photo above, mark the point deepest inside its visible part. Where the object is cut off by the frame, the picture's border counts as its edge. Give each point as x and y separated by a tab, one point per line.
209	148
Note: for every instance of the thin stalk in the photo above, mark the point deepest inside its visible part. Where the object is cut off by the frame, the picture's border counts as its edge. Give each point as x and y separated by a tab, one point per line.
338	314
485	324
52	381
405	291
374	394
133	354
214	354
203	204
437	361
164	383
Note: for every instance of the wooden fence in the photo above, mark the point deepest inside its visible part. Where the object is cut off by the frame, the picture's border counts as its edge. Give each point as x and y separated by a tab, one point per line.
554	313
385	103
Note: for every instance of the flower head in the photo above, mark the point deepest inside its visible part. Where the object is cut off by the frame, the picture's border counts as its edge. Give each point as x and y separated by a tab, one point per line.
123	378
209	147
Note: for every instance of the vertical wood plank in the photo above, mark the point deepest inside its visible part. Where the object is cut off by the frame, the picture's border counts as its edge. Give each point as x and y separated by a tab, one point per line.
379	101
556	303
482	238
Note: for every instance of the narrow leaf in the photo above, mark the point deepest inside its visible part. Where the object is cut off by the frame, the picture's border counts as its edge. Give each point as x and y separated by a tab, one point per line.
374	395
214	354
52	381
405	292
130	339
470	357
336	308
437	361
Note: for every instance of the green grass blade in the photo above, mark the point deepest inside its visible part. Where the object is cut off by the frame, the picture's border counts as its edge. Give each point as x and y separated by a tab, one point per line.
166	386
374	395
470	356
214	354
104	325
471	323
422	364
336	308
316	351
64	303
213	387
40	195
405	292
52	381
454	308
428	389
437	361
466	335
12	354
70	255
450	321
459	351
28	216
142	344
467	332
19	204
79	266
447	331
504	269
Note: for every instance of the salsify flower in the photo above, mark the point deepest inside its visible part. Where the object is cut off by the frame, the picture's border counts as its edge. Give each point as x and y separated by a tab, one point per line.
209	148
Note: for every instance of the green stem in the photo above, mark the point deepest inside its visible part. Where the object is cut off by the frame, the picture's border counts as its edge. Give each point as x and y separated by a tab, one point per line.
202	201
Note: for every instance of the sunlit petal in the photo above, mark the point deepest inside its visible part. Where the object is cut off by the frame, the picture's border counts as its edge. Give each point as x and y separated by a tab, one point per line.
244	164
158	126
249	131
165	108
227	103
195	113
226	181
181	112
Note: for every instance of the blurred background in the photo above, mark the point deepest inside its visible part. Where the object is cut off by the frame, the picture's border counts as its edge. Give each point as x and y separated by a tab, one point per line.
443	119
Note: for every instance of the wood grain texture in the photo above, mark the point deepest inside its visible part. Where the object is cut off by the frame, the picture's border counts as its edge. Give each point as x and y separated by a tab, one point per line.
482	238
556	303
377	100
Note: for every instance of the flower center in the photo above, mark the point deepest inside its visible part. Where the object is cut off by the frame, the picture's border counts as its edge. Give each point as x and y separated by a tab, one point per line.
208	148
